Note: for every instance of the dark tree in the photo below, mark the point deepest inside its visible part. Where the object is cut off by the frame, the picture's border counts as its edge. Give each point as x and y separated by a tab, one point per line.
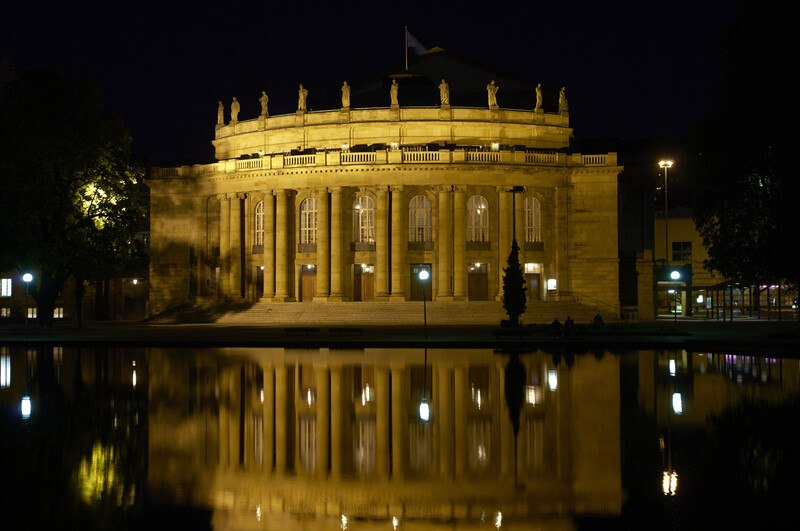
743	159
73	199
514	300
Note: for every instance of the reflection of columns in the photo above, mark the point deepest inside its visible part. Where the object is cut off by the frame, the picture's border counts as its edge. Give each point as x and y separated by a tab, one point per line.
445	236
224	418
382	421
268	414
460	420
336	243
398	245
445	411
323	421
235	419
281	404
504	236
269	245
506	430
281	245
337	418
459	244
398	422
236	247
382	243
224	245
321	292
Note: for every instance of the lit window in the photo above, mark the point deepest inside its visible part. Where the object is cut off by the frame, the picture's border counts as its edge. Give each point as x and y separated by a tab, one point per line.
5	312
308	221
419	219
58	313
5	287
477	219
364	220
259	224
533	220
32	313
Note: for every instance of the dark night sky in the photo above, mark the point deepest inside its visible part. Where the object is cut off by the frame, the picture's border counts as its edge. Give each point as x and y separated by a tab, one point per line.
632	68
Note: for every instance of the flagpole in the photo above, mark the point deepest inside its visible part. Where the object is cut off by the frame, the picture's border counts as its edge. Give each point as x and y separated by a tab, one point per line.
405	35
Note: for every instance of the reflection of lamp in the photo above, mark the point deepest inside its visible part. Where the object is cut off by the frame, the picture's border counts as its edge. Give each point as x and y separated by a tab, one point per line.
669	482
25	407
424	407
552	379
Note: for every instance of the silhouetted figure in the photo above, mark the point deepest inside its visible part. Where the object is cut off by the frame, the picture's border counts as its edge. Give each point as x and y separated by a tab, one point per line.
597	322
555	327
569	326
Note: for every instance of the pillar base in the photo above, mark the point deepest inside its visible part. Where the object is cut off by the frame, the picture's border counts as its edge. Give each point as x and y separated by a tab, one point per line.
335	298
282	299
444	298
320	299
397	297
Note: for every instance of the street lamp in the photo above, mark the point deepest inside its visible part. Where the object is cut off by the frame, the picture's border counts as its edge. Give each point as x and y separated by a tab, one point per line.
27	277
675	276
424	407
666	165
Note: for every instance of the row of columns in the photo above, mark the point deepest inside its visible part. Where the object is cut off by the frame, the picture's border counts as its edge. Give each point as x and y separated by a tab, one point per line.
390	273
450	419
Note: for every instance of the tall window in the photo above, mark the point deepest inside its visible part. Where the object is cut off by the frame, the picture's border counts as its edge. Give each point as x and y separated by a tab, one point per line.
419	219
681	251
308	221
533	220
259	224
477	219
5	287
364	220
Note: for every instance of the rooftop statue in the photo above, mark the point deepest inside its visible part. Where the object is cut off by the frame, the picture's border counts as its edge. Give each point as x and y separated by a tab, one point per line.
563	106
345	96
302	94
234	111
220	114
264	100
538	97
393	90
444	93
491	90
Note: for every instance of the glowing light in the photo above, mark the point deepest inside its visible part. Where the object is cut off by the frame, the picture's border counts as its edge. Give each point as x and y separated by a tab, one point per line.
700	299
498	520
258	512
552	379
309	397
672	367
25	407
261	396
367	395
495	146
677	403
261	268
344	522
135	281
675	275
424	411
552	284
533	394
665	163
5	371
423	274
395	522
669	483
27	277
133	378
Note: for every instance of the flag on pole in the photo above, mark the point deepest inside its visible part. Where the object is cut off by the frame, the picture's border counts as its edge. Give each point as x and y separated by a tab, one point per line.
413	43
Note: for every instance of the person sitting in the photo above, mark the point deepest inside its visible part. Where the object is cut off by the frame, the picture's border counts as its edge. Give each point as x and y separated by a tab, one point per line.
597	322
555	327
569	326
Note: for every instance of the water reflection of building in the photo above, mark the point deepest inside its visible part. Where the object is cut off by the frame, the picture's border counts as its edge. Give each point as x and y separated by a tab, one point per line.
273	435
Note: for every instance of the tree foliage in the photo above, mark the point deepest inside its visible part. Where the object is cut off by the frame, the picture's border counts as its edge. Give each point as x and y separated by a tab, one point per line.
744	157
73	198
514	299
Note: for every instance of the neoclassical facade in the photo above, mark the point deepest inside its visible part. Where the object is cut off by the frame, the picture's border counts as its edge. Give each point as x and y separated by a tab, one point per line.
349	204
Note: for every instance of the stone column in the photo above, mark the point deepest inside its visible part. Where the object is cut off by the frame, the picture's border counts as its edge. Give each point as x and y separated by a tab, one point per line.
504	236
506	430
322	290
323	420
398	423
336	243
399	245
281	247
224	245
382	421
445	415
236	247
337	418
445	237
460	377
268	415
281	403
224	418
382	243
269	246
519	219
459	244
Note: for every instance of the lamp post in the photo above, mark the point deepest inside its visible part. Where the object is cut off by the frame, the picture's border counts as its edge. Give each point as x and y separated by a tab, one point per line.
666	165
27	277
675	276
424	407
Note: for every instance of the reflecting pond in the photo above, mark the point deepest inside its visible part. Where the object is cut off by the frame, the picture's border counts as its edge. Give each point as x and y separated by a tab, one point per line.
287	438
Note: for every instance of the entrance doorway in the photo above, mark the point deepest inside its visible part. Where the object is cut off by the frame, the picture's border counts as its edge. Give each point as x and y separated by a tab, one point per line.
259	282
416	287
478	282
308	282
533	284
363	282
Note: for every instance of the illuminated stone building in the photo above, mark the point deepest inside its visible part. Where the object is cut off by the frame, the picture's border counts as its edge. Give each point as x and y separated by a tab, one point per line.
348	204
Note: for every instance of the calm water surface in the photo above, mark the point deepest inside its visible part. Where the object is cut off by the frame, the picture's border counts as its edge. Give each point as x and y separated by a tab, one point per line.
274	438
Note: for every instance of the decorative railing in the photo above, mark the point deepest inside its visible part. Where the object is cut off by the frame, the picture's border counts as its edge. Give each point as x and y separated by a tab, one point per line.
358	158
541	158
300	160
420	156
595	160
482	156
249	164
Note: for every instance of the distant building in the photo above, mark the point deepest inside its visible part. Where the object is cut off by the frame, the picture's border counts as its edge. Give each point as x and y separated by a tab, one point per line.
349	204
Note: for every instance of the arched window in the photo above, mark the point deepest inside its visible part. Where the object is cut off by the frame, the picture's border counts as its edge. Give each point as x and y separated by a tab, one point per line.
364	220
258	219
533	220
308	221
477	219
419	219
